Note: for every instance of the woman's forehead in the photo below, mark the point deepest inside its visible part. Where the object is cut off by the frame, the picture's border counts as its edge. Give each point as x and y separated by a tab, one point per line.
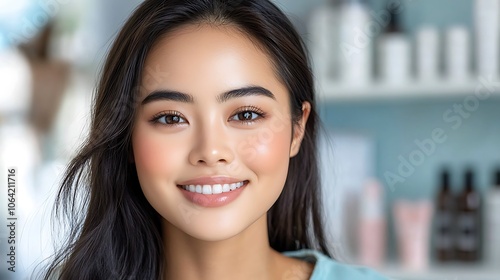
201	58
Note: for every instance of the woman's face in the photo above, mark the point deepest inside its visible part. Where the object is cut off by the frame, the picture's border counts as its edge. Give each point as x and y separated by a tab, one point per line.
212	112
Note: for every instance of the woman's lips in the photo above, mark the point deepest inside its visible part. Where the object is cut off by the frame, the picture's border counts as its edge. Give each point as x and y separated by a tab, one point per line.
211	180
212	189
213	200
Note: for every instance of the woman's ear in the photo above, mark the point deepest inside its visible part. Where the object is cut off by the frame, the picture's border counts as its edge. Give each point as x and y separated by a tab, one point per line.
299	129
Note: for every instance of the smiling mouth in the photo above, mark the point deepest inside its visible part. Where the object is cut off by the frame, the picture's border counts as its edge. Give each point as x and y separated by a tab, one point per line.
213	189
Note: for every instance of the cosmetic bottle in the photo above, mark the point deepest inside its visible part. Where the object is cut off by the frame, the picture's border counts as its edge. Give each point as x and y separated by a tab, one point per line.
355	43
324	36
444	220
427	54
486	23
457	54
492	223
468	246
372	228
394	53
412	221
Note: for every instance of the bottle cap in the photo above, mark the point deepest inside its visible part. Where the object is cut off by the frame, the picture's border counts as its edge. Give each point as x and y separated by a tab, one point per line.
445	179
394	25
469	179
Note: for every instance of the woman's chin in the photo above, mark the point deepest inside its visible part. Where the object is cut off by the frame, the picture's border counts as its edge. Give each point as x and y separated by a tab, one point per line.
213	233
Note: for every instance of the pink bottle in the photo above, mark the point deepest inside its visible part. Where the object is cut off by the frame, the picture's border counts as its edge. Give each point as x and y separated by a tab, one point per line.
372	228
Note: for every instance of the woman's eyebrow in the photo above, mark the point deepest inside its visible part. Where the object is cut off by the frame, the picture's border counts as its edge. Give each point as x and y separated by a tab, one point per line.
172	95
245	91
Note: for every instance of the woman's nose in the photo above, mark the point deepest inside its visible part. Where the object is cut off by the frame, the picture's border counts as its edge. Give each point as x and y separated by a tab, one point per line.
211	148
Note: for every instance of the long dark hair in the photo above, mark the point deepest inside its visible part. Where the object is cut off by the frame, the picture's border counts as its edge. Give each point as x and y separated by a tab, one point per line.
114	232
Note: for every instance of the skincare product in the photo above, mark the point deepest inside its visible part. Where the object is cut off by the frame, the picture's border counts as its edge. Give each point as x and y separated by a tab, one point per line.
412	220
492	224
372	231
469	221
394	53
486	20
457	54
427	54
323	30
355	43
444	220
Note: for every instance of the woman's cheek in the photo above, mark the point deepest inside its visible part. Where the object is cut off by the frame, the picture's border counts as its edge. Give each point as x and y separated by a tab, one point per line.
156	154
268	154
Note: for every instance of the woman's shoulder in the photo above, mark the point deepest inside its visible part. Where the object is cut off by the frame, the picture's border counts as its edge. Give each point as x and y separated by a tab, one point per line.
327	268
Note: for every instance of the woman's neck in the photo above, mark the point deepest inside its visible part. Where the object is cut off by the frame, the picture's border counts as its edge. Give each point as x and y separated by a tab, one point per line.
245	256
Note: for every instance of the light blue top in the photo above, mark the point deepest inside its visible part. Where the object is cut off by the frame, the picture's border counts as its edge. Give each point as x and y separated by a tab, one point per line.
327	269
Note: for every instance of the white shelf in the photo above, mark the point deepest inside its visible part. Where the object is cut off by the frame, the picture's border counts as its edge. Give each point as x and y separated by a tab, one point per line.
331	91
445	272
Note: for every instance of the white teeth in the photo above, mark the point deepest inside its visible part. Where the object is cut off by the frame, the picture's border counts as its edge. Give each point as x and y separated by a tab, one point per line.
207	189
217	189
212	189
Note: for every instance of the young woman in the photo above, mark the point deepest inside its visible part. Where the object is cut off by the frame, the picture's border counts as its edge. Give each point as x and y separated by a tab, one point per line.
201	160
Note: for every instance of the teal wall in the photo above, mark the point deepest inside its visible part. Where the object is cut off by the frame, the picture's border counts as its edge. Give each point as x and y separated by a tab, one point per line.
396	125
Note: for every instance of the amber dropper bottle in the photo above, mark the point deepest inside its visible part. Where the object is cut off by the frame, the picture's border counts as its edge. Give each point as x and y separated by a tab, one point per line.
444	220
468	246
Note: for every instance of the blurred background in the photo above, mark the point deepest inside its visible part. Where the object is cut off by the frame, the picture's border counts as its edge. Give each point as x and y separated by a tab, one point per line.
408	92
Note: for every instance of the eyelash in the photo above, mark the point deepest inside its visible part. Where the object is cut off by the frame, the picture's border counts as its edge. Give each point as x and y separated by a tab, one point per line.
156	118
251	109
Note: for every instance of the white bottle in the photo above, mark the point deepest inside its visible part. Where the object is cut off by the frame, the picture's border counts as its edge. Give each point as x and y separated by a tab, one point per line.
457	54
355	43
486	19
492	226
427	54
394	51
323	30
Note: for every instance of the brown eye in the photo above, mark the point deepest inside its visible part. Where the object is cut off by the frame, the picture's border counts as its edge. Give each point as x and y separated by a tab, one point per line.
169	119
172	119
245	116
248	115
